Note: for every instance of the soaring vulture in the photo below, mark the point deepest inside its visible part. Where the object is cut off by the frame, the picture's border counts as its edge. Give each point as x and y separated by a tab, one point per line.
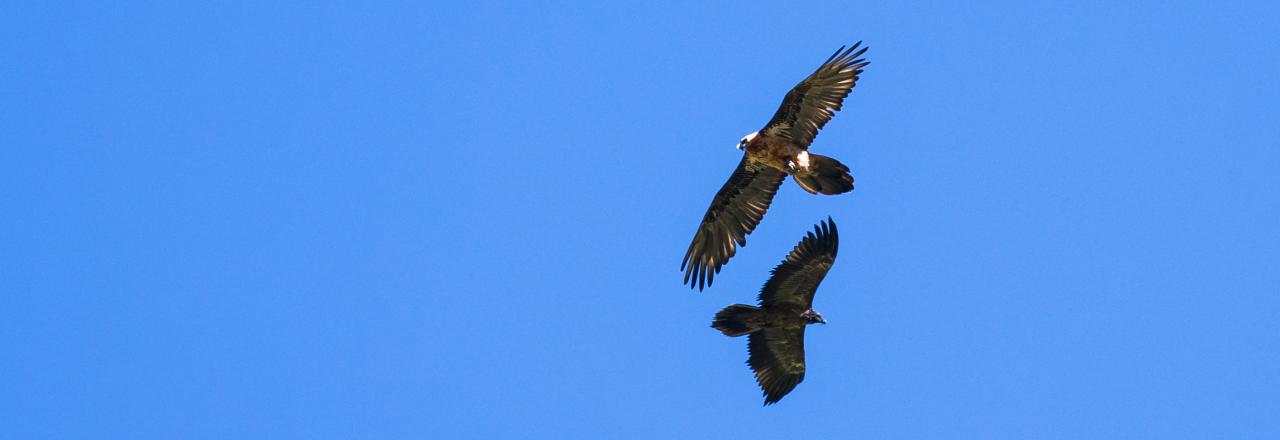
777	150
776	328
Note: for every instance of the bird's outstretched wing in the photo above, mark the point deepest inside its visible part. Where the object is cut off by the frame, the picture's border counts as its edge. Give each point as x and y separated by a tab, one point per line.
811	103
795	280
777	357
734	213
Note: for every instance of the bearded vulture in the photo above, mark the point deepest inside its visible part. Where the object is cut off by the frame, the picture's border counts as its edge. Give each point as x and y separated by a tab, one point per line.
777	150
775	329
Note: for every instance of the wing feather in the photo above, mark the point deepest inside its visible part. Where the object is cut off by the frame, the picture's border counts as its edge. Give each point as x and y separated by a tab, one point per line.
796	279
734	213
777	358
813	102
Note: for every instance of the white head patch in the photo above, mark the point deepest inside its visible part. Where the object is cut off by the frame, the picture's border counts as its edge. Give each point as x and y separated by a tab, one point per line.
747	139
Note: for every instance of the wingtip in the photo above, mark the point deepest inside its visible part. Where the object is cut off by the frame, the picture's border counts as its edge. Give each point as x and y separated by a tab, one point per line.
833	235
768	399
856	54
696	273
834	55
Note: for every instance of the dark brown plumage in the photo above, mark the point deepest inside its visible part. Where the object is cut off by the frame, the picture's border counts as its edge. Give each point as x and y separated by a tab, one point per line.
812	103
734	213
775	328
777	150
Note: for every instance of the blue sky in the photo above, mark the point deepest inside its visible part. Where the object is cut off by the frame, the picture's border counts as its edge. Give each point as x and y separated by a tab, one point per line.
415	220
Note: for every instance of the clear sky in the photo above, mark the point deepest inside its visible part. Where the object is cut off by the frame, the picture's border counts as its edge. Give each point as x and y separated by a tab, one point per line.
421	220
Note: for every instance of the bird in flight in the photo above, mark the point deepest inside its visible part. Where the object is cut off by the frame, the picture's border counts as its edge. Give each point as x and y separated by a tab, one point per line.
779	149
775	329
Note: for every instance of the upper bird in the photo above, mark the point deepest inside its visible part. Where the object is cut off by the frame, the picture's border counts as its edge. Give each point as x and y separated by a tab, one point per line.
777	150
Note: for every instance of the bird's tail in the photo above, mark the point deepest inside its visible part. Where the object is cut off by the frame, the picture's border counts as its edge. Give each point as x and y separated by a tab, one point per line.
738	320
824	175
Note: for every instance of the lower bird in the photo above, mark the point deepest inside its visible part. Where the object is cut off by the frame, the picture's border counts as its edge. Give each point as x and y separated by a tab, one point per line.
775	328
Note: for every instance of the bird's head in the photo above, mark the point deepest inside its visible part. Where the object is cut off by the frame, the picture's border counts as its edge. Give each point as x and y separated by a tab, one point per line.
742	144
813	317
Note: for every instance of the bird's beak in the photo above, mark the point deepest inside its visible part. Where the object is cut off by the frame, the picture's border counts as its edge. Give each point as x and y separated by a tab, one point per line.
823	321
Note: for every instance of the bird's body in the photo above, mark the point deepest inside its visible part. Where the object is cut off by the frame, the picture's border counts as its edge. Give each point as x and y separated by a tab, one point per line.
749	319
779	149
777	153
775	328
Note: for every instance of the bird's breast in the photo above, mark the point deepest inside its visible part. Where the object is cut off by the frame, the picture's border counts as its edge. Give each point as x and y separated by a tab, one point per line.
772	151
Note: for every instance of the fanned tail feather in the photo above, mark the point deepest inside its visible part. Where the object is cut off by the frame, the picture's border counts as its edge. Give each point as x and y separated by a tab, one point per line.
738	320
825	175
